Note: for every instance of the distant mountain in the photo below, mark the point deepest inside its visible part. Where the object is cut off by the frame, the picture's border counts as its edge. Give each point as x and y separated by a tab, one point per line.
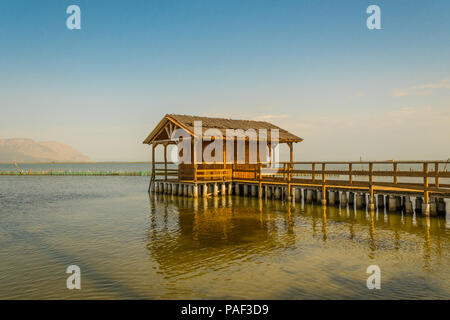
27	150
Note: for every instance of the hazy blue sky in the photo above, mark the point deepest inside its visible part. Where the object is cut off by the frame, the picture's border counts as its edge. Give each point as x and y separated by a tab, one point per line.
310	66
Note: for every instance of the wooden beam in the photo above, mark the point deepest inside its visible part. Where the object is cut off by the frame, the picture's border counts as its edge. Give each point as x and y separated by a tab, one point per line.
165	160
153	156
425	183
436	177
371	183
224	154
270	153
194	158
291	160
324	195
350	176
291	152
313	175
395	172
167	132
257	151
152	178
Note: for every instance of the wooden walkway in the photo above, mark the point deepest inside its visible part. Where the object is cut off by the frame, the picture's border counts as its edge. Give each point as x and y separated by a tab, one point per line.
417	178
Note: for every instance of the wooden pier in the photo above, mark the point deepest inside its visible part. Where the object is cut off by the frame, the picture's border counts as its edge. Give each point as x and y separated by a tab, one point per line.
323	183
258	173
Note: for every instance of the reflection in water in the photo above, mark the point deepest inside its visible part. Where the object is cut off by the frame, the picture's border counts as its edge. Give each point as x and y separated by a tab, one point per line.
427	256
324	224
216	224
234	233
372	235
129	245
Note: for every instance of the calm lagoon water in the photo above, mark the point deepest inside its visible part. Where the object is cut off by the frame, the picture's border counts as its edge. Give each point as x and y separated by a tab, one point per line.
129	245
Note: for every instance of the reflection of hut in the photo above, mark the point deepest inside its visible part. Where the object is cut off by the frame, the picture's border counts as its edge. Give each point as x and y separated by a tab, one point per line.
245	146
185	234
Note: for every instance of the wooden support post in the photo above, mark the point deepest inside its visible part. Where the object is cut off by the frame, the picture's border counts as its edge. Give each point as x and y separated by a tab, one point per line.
153	157
237	189
291	165
324	194
425	183
194	159
195	191
259	182
258	160
270	153
436	175
395	172
152	178
313	175
165	161
291	168
289	197
350	176
224	155
371	202
291	152
343	199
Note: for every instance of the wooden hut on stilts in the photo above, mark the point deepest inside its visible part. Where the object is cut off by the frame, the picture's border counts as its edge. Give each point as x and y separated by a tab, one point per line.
247	146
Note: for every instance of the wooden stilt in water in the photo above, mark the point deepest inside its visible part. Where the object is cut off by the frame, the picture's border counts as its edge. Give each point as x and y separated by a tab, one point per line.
277	193
359	200
332	198
351	198
343	199
418	204
380	201
253	188
408	205
223	189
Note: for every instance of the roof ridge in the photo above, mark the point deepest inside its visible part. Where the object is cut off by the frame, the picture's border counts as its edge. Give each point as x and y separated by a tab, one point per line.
219	118
187	122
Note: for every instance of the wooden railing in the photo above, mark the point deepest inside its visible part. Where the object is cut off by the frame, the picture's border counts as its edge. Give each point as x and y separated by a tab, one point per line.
213	174
358	175
319	175
164	171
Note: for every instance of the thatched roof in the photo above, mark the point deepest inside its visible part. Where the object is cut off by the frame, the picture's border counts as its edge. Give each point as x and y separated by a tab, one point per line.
187	123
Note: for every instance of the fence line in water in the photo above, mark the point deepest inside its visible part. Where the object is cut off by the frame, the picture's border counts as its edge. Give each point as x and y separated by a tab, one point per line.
75	173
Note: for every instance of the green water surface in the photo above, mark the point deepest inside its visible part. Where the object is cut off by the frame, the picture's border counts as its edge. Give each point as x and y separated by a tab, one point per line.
129	245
